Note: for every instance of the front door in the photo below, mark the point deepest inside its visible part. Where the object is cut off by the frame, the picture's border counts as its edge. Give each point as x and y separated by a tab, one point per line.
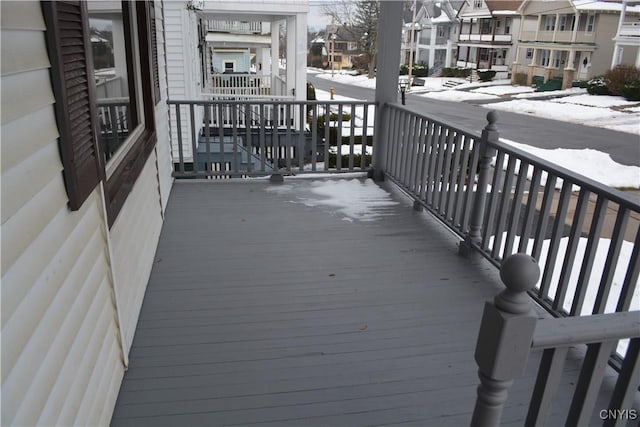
584	64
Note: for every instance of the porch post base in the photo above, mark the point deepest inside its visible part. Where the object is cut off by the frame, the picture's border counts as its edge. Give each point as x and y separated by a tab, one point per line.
466	248
376	174
276	178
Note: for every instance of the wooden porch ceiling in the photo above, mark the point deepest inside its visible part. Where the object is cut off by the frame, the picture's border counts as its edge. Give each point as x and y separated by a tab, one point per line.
269	305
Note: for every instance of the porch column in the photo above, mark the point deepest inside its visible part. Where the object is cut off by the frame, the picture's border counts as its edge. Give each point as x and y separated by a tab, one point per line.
275	54
263	54
291	55
515	65
617	55
300	83
569	71
576	21
388	58
432	46
532	66
447	59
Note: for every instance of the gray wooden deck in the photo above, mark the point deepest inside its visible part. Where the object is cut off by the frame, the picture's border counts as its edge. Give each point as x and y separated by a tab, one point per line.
270	308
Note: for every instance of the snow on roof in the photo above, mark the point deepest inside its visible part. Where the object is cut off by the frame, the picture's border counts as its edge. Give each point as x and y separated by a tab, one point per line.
608	6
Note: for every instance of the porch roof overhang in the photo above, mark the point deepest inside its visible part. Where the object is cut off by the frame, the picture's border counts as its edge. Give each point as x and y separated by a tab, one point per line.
559	46
238	40
485	44
265	11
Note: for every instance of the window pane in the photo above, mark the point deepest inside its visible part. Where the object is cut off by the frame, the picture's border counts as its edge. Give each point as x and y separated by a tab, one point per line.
112	63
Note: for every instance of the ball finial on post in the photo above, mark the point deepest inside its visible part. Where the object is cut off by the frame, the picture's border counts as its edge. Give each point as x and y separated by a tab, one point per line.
519	273
492	118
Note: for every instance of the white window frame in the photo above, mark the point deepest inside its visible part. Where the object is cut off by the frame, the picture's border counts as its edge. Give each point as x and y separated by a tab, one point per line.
233	63
591	23
549	22
134	134
528	53
545	57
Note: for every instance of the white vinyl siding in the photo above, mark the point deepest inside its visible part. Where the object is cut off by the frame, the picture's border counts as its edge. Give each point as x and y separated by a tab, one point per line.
182	69
163	149
62	359
134	237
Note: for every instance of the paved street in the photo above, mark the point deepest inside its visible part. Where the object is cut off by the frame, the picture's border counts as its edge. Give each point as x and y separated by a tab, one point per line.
623	148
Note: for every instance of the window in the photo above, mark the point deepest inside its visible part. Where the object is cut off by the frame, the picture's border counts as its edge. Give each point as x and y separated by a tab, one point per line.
562	22
485	26
507	26
229	67
556	60
529	53
477	4
549	22
441	31
544	57
104	107
591	20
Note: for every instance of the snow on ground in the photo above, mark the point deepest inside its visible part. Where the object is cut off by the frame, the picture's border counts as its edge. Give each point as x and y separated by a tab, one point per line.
593	282
503	90
457	95
555	93
352	199
596	101
586	115
594	164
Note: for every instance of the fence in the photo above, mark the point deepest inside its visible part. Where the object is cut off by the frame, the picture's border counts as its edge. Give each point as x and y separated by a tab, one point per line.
585	235
256	137
510	330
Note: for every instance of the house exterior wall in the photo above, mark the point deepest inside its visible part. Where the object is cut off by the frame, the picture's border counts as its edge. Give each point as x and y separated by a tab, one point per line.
70	285
593	48
240	58
163	148
58	318
183	71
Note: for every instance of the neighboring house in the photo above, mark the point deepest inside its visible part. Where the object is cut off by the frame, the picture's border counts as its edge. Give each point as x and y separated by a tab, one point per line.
487	36
213	45
572	40
340	49
80	218
436	33
627	39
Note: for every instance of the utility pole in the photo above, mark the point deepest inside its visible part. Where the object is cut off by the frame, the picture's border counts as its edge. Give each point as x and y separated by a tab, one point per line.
413	31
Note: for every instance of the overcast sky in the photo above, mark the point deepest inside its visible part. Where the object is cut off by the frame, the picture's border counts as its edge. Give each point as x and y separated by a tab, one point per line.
316	20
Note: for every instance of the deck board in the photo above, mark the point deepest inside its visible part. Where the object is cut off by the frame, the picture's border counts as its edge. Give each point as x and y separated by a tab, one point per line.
264	310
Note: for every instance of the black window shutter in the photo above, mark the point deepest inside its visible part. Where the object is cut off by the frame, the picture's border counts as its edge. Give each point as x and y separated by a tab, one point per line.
154	52
71	72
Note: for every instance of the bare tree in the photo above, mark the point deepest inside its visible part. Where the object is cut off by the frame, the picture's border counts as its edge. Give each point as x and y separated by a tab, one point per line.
360	19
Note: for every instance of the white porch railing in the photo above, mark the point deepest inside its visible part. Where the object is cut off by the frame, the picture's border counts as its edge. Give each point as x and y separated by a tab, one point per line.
240	85
258	136
238	27
630	29
510	329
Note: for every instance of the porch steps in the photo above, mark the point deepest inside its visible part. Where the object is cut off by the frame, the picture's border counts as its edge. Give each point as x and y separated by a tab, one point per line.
451	84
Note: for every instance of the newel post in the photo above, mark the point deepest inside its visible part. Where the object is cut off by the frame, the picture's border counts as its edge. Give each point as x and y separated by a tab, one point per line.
505	336
490	134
